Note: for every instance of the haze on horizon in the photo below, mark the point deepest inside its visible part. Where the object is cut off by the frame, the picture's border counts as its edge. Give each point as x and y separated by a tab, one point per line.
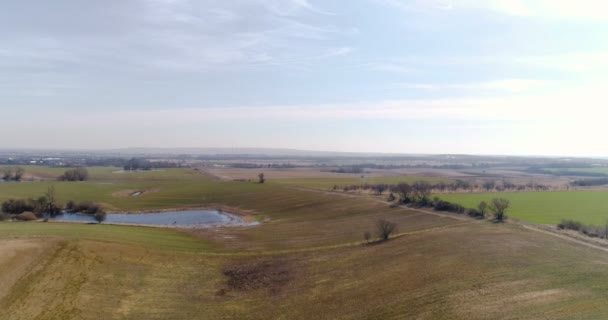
395	76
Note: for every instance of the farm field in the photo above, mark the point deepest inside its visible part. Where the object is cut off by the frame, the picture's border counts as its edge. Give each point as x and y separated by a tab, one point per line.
563	171
467	271
329	183
306	259
319	179
546	207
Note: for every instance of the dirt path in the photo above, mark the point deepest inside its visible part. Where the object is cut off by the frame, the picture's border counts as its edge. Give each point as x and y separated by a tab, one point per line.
205	172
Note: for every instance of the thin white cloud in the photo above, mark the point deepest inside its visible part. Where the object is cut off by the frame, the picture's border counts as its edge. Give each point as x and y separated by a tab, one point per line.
341	51
420	86
555	9
392	67
512	85
505	85
551	9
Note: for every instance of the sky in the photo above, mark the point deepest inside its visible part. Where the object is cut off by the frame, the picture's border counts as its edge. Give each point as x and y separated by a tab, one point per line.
399	76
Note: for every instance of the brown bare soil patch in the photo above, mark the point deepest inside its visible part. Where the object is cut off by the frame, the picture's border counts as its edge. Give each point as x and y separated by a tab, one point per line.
271	275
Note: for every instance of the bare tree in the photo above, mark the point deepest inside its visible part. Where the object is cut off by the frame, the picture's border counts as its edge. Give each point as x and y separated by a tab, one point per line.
385	229
499	206
7	174
51	205
489	185
404	190
19	172
482	207
261	178
422	190
381	188
367	236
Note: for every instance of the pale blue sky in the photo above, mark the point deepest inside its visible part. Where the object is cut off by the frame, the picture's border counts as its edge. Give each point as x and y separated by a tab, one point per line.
435	76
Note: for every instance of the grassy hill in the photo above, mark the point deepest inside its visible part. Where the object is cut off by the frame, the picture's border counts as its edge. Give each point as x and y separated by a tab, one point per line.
306	260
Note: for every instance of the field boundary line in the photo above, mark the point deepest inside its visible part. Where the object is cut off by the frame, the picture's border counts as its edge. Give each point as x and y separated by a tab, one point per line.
562	236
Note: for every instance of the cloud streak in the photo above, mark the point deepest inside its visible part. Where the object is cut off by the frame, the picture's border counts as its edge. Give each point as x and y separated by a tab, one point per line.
550	9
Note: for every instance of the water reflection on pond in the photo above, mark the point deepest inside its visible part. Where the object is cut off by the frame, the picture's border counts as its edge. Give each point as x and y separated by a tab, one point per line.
177	219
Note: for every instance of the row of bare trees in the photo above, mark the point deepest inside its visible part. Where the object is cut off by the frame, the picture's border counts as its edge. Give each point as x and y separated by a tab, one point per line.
442	187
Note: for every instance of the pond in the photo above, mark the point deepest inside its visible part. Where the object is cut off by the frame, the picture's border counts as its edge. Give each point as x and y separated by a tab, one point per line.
175	219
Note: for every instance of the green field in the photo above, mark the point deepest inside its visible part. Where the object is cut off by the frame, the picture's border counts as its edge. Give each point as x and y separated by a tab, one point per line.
305	261
171	188
546	207
574	171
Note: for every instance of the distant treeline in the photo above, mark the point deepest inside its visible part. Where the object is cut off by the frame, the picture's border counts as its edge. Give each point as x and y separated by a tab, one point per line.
353	169
489	185
416	166
590	182
246	165
135	164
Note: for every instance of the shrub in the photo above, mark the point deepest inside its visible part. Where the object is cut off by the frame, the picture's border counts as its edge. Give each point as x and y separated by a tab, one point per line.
441	205
100	216
70	206
588	230
422	202
26	216
570	225
78	174
499	206
18	206
476	214
83	207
